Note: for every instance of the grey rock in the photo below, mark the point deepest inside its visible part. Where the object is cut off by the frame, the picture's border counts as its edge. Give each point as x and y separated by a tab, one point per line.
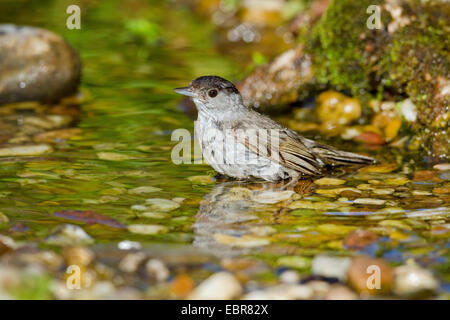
36	65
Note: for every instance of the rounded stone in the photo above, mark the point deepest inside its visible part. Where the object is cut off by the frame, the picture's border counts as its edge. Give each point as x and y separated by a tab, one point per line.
36	64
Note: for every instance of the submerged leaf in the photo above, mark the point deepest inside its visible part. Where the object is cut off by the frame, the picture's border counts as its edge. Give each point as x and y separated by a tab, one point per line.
89	217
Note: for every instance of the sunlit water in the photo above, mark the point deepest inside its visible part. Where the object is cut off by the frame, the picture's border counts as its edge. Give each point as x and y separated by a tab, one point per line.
128	108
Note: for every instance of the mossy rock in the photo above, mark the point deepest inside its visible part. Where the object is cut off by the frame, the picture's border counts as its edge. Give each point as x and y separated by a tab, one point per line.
407	56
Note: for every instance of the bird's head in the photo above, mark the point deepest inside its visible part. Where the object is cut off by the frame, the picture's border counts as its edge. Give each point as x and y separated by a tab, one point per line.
213	94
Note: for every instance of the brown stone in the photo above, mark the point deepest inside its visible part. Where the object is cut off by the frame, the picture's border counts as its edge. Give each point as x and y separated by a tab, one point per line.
36	64
360	239
363	273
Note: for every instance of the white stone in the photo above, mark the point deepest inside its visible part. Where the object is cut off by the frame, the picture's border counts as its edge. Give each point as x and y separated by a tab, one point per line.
412	280
219	286
331	267
160	204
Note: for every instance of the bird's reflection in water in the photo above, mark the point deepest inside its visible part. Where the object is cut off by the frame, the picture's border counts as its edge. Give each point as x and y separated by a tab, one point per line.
235	210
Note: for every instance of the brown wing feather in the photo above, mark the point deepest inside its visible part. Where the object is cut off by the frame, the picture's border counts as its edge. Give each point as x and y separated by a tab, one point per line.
291	153
294	152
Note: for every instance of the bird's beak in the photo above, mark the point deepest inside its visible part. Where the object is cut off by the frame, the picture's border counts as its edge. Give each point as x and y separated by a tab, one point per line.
185	91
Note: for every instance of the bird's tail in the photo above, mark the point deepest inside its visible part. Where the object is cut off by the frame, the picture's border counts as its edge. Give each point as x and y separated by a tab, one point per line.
334	156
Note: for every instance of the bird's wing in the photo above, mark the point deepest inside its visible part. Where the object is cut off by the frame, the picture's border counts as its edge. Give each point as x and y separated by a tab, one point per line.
269	139
334	156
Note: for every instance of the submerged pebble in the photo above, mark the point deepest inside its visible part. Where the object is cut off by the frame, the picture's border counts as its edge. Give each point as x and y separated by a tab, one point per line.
147	229
201	179
31	150
113	156
384	191
219	286
270	197
295	262
335	228
69	234
153	215
421	193
245	241
160	204
377	202
144	189
360	239
329	182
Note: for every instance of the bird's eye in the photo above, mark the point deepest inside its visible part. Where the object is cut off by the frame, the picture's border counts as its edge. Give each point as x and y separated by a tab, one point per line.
212	93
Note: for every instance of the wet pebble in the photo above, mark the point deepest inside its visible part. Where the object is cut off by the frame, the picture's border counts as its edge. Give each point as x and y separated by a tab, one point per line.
336	108
128	245
329	182
331	267
131	261
441	190
371	201
147	229
337	191
360	239
411	280
442	166
201	179
282	292
363	272
182	285
335	228
262	230
157	269
384	191
57	135
380	168
320	205
396	181
113	156
160	204
67	235
370	138
319	288
80	256
245	241
47	259
396	224
295	262
270	197
144	189
421	193
340	292
290	276
153	215
219	286
139	207
37	65
30	150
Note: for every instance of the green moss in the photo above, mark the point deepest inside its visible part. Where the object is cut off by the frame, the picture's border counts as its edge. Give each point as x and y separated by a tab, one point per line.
339	44
371	63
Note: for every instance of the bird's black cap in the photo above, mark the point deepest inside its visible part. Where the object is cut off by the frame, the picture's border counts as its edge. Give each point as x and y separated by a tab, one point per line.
213	82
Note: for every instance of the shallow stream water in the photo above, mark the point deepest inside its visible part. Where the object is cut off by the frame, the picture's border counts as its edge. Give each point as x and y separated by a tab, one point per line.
125	115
